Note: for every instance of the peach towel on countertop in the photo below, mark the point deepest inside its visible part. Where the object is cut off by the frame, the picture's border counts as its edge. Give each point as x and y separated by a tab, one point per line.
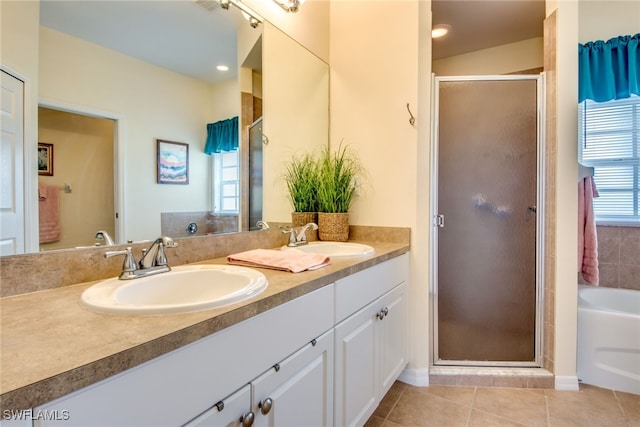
587	236
292	261
48	213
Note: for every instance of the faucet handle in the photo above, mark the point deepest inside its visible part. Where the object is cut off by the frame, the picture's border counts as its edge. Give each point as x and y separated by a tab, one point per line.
129	265
302	236
292	233
161	257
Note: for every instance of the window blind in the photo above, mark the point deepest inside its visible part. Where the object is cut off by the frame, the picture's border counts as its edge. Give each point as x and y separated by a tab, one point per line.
609	140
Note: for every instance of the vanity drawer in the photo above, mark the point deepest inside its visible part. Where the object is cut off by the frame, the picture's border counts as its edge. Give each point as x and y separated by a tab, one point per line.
356	291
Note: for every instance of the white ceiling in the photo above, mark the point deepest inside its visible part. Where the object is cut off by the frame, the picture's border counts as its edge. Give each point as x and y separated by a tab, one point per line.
480	24
178	35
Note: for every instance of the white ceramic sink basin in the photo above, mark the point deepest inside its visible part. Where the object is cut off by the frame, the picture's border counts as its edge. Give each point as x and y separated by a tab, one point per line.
334	249
183	289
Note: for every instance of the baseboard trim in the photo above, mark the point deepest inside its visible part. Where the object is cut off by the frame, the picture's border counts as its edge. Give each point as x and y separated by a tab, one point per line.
415	377
566	383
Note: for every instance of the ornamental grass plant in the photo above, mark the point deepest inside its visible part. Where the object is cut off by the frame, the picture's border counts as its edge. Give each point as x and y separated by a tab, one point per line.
336	186
301	178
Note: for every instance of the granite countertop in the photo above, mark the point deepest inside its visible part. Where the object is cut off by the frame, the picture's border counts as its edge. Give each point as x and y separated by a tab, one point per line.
51	346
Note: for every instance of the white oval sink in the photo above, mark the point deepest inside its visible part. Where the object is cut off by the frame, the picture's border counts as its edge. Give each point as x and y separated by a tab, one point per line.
334	249
183	289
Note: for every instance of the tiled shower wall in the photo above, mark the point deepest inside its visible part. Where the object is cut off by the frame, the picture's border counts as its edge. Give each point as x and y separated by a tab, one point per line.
619	257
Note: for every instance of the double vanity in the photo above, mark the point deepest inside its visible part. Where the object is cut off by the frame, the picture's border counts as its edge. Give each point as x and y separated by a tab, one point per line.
319	348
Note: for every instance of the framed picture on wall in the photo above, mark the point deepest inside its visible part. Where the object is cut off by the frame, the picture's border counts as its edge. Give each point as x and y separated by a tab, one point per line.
173	162
45	159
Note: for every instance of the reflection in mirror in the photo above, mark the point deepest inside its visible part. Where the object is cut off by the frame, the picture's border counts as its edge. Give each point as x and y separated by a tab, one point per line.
145	102
78	197
296	109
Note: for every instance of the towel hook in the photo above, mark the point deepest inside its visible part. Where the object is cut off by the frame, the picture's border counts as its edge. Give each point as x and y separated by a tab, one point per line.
412	120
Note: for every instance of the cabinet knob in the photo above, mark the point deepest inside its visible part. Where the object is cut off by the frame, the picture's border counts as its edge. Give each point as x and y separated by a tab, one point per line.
382	313
247	419
265	405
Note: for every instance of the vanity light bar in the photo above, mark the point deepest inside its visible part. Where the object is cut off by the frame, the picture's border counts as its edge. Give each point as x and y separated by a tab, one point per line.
253	18
289	5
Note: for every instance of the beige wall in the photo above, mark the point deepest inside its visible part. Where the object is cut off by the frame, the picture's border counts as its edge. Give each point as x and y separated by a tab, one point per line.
566	195
380	61
605	19
505	59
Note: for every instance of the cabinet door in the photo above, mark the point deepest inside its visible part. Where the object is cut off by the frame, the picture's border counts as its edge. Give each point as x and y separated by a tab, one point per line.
299	390
393	337
233	411
356	374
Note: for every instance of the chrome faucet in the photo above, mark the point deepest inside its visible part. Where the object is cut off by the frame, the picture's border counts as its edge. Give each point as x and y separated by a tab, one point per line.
299	237
103	235
154	260
264	225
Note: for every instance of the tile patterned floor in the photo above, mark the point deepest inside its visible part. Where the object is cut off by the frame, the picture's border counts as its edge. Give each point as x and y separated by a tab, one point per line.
453	406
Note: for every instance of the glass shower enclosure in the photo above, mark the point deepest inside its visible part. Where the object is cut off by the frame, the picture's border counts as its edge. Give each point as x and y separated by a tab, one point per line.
486	220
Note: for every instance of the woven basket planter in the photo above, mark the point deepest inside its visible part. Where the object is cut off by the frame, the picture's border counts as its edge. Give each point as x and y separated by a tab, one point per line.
333	226
299	219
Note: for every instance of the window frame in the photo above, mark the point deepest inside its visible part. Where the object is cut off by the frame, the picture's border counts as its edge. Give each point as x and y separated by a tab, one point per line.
633	161
218	167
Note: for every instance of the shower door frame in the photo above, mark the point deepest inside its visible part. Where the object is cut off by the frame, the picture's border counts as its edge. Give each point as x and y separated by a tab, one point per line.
540	214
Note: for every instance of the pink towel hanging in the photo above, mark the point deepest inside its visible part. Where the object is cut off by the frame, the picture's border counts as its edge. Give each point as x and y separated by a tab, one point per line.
49	214
587	235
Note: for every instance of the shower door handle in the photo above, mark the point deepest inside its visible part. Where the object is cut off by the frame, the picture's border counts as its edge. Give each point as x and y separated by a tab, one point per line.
439	220
533	209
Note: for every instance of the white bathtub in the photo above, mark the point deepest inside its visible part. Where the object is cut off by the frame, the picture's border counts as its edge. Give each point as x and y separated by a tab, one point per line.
609	338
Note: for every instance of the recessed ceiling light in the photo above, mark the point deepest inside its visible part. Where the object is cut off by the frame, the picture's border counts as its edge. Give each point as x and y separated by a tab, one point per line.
440	30
222	68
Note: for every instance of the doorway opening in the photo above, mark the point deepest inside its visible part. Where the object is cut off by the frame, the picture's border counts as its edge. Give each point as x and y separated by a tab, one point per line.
86	172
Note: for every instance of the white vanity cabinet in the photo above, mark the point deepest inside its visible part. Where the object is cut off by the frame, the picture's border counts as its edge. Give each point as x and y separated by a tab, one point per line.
323	359
370	345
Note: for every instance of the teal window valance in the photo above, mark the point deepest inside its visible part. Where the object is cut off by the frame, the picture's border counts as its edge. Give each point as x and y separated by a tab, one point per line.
609	70
222	136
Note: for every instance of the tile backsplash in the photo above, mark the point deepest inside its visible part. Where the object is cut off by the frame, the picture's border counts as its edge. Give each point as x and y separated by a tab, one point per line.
619	257
48	270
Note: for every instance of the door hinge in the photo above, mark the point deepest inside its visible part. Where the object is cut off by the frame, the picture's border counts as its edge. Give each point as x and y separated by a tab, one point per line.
439	220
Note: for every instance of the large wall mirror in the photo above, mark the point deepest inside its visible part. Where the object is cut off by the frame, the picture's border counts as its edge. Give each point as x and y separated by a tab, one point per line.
116	77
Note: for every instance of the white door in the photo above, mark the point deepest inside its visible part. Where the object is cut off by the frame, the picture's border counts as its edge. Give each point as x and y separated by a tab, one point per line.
12	224
356	362
393	337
